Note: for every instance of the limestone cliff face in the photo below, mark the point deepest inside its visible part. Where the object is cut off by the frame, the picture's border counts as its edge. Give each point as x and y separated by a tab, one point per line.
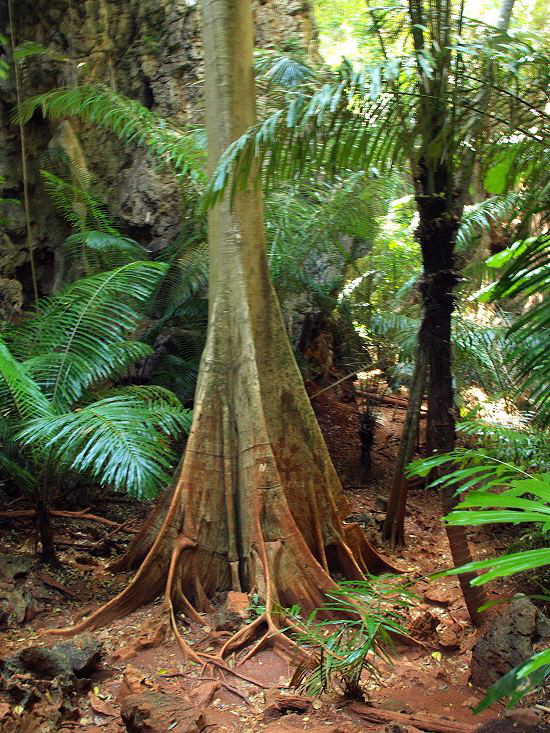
149	50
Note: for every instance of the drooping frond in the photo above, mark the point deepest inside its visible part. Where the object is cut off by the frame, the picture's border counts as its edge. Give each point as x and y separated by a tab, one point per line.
123	440
186	278
525	447
183	150
278	69
527	275
479	218
20	396
81	209
78	336
99	250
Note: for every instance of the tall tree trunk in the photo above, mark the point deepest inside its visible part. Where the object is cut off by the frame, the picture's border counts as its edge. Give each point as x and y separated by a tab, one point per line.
394	524
436	234
257	505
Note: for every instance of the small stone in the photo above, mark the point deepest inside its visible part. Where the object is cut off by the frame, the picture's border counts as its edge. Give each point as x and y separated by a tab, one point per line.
447	636
443	596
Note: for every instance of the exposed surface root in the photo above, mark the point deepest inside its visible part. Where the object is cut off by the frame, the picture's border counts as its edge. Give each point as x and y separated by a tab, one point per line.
31	513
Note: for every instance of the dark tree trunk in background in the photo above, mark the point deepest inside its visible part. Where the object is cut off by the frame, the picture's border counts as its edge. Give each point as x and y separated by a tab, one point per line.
436	234
45	530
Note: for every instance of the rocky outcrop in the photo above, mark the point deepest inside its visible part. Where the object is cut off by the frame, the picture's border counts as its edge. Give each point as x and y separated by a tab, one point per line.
149	50
508	641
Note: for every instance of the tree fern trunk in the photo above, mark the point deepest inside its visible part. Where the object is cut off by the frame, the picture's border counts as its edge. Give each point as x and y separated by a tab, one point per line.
45	530
436	234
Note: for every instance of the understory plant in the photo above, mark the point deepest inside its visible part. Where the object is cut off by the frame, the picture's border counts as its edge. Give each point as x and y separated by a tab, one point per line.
499	492
365	618
63	417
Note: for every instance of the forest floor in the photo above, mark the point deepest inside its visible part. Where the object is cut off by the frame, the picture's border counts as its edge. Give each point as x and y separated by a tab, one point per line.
428	679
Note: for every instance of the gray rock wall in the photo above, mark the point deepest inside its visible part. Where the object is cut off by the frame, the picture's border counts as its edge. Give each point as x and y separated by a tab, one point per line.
149	50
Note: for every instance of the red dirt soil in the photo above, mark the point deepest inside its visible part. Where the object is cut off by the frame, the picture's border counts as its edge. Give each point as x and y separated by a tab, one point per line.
428	678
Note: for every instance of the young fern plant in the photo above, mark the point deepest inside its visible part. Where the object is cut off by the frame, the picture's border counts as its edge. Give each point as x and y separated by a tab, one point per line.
499	493
370	614
60	416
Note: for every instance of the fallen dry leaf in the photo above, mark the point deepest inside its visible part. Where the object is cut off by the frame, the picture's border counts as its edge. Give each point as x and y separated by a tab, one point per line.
101	706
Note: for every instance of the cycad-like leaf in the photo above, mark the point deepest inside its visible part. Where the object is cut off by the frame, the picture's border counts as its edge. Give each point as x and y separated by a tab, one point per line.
123	440
65	377
80	327
281	70
17	473
183	150
81	209
20	397
100	250
528	274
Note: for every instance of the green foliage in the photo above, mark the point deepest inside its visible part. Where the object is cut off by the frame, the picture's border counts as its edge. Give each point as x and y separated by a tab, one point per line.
519	681
4	66
78	336
524	446
365	117
183	150
527	276
54	420
498	492
123	440
79	207
369	614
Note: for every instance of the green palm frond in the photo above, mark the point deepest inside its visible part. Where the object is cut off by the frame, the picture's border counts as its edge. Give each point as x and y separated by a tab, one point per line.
79	207
11	467
524	446
186	278
378	115
183	150
65	377
77	334
370	615
100	250
479	217
123	441
20	397
282	70
527	275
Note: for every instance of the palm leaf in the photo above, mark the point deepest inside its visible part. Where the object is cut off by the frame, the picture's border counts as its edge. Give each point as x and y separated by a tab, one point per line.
123	440
74	338
183	150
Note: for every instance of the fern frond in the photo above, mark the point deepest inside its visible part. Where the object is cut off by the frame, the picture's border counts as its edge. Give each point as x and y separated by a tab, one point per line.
84	326
479	218
79	207
123	441
20	397
183	150
101	250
